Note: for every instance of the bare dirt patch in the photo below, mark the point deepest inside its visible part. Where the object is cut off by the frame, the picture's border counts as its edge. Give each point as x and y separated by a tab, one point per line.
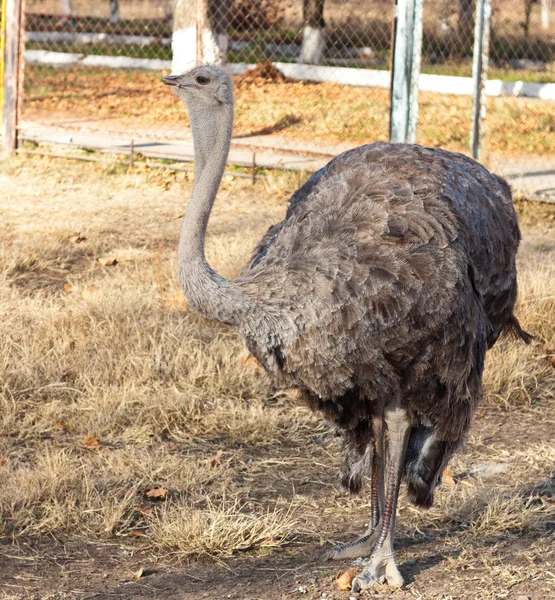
142	455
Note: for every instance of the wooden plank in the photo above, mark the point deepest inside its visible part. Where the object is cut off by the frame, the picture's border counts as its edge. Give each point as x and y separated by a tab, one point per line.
11	75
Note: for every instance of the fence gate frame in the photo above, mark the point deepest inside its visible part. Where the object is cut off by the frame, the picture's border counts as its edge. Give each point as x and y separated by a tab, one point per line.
12	59
405	70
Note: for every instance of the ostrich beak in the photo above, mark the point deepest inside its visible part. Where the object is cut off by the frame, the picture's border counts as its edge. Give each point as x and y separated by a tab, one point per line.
172	80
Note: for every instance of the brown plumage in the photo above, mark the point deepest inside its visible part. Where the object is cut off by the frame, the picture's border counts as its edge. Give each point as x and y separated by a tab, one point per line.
377	296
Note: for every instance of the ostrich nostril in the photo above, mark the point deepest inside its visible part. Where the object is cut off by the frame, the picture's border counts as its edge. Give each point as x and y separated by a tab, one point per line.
172	80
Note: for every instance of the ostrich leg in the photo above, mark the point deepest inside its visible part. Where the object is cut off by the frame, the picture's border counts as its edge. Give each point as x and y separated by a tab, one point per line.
381	566
363	545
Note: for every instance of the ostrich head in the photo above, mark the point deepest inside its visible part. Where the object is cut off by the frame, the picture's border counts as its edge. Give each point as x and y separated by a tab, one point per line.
204	86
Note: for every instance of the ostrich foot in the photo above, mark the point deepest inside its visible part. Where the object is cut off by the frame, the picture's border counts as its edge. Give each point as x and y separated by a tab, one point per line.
381	568
361	547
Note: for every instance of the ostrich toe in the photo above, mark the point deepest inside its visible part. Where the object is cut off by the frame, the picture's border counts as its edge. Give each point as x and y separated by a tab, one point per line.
380	569
360	547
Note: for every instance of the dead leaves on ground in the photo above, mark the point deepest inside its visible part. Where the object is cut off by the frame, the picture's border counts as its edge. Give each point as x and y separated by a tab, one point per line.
249	362
344	581
90	292
78	239
156	493
447	477
108	261
92	443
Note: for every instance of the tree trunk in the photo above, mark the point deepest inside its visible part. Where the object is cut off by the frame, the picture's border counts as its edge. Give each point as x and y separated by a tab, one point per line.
215	19
466	25
527	16
444	17
67	8
547	5
314	34
114	12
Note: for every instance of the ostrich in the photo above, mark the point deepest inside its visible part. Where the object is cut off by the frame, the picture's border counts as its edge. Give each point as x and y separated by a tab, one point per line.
377	297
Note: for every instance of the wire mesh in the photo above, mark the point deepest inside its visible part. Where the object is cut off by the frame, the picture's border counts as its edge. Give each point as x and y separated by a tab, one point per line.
519	140
311	76
300	71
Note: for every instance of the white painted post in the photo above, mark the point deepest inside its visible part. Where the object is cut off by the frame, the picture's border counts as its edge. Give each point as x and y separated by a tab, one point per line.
480	75
407	48
13	55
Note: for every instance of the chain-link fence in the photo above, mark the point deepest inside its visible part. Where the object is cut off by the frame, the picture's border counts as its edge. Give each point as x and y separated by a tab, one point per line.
519	140
112	55
311	77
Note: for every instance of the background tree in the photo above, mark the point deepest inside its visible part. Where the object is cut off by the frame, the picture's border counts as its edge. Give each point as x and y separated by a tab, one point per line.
215	19
114	12
314	32
466	25
547	7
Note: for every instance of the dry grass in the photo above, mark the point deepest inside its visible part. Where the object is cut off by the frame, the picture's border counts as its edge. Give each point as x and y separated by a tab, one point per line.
110	388
299	111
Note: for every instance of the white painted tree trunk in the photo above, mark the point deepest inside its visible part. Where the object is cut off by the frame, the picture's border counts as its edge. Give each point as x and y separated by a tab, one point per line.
314	45
314	32
114	12
547	6
67	8
184	38
214	47
184	48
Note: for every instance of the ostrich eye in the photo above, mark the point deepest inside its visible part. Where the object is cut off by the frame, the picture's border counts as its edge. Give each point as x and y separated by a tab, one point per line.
202	80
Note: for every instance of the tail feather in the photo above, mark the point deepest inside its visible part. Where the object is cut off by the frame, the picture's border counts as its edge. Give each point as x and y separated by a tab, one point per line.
426	458
513	327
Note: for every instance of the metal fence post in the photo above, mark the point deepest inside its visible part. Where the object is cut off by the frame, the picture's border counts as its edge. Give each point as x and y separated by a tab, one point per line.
407	49
12	57
480	75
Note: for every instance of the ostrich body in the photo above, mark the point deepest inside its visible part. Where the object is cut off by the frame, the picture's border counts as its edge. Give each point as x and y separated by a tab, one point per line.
377	297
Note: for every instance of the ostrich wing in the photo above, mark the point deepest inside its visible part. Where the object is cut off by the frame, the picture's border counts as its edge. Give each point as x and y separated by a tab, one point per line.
361	276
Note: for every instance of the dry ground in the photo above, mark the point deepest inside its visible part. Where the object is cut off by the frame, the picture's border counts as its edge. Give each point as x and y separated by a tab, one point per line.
105	99
142	455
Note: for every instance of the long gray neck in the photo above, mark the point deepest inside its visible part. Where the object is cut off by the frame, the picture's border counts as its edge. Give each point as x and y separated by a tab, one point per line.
205	290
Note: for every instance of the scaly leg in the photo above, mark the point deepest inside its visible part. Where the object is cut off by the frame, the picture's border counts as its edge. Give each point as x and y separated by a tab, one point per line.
381	567
363	545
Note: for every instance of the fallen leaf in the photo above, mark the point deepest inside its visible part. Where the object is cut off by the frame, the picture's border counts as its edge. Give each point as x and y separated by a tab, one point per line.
138	574
67	375
68	288
343	581
172	447
90	292
77	239
60	427
108	261
158	493
215	460
249	362
3	461
137	533
145	509
447	477
91	442
553	361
